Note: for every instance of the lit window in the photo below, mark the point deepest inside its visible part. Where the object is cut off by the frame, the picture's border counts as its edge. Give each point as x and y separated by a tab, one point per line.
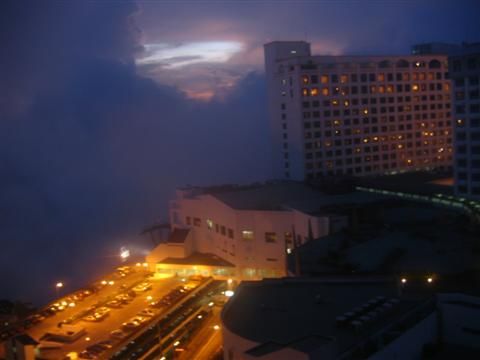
343	79
365	111
209	224
314	92
305	92
324	79
335	102
247	235
305	79
415	87
381	77
325	91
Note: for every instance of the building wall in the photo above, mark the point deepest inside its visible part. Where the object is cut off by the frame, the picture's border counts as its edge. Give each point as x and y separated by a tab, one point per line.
465	74
254	241
17	351
163	251
357	115
275	98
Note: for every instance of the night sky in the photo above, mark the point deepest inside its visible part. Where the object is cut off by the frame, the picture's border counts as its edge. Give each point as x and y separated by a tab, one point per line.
107	106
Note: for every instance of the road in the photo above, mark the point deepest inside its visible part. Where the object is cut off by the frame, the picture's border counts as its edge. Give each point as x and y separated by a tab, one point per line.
206	342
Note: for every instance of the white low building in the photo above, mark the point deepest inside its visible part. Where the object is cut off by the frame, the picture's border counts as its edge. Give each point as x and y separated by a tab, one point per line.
245	231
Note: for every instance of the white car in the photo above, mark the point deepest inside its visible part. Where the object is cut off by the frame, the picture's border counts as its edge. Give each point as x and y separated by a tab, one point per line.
117	334
147	312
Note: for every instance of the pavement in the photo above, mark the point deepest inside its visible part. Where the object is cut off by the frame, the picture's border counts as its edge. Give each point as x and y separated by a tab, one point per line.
100	330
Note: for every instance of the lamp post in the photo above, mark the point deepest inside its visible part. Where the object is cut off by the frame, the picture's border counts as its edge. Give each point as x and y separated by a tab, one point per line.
124	253
58	286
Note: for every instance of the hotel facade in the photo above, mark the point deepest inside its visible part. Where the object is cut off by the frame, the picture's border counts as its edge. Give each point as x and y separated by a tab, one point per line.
465	73
356	115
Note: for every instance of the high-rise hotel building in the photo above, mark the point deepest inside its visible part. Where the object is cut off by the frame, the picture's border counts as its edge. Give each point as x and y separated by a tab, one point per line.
465	73
356	115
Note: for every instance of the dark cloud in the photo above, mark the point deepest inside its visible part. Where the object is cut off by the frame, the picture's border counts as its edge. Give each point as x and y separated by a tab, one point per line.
93	151
90	151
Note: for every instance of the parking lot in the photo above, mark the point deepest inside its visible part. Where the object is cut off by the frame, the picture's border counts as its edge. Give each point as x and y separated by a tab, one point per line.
112	310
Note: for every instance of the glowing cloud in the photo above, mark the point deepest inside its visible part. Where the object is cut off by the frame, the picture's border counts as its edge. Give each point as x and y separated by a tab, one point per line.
180	55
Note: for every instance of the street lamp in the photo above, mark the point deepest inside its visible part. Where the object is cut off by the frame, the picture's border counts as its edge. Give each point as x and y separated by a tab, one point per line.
58	286
124	253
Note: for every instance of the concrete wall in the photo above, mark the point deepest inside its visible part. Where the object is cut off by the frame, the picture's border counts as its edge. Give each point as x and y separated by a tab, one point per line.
278	85
163	251
254	258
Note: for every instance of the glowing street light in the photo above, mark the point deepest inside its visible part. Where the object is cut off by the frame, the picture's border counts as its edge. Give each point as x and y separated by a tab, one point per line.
404	280
124	253
430	280
58	286
216	327
229	293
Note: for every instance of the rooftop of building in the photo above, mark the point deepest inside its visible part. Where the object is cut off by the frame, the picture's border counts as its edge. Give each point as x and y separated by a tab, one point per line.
26	339
285	195
426	183
197	258
305	314
178	236
396	236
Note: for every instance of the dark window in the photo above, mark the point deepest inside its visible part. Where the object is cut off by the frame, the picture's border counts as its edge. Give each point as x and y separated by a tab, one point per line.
270	237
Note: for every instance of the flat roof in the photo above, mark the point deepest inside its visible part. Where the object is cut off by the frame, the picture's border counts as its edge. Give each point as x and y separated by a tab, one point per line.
178	236
301	313
26	339
197	258
284	195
